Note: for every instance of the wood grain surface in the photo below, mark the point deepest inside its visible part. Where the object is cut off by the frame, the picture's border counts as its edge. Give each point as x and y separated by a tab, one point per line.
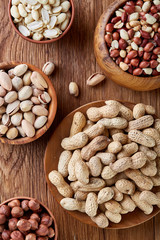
21	167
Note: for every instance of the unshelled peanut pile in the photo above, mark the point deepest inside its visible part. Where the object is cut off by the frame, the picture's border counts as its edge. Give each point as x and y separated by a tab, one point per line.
133	37
110	163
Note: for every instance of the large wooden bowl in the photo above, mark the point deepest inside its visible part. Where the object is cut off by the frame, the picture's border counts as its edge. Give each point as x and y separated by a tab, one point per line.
43	41
52	106
109	67
51	159
44	206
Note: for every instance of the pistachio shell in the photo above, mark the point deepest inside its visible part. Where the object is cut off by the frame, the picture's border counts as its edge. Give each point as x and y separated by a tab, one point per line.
36	92
95	79
44	98
1	101
48	68
21	132
30	117
12	133
27	78
24	93
20	69
17	83
13	107
3	129
35	100
10	73
2	91
40	122
11	97
2	110
38	81
40	110
5	81
6	120
28	128
26	106
16	119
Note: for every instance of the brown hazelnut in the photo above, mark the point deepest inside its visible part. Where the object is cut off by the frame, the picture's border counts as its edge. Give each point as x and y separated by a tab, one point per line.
42	238
6	235
34	205
24	205
46	220
12	224
34	224
30	236
35	216
4	209
14	203
51	232
3	219
17	212
42	230
1	228
17	235
24	225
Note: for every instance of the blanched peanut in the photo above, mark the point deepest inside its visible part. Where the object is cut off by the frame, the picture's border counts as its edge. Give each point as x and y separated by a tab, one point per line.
91	205
144	206
125	186
113	217
72	204
127	204
118	196
114	147
106	158
140	138
97	144
120	137
140	123
113	206
63	163
95	131
149	197
82	171
58	181
128	150
79	140
78	123
118	122
101	220
105	194
95	166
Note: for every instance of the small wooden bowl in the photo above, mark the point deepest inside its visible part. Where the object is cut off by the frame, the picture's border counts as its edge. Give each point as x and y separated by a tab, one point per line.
52	106
43	41
51	159
108	66
46	208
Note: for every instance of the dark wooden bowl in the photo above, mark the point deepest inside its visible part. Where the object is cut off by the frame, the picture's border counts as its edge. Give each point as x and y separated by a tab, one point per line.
46	208
51	159
52	106
108	66
43	41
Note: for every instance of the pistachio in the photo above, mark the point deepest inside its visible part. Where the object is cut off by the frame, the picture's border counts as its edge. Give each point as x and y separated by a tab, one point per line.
48	68
30	117
6	120
17	83
12	133
13	107
36	92
28	128
44	98
35	100
27	78
73	89
2	110
20	69
38	80
5	81
2	91
95	79
24	93
3	129
10	73
40	110
11	97
26	106
1	101
21	132
40	122
16	119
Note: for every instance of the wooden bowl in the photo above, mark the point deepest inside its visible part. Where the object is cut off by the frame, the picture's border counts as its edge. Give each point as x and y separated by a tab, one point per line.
52	106
51	159
43	41
46	208
108	66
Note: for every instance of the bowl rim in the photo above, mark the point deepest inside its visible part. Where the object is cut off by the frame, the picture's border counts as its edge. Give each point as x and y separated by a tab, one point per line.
100	28
52	106
43	205
50	185
43	41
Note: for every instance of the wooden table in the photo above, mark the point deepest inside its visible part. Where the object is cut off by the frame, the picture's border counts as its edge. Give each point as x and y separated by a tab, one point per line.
21	168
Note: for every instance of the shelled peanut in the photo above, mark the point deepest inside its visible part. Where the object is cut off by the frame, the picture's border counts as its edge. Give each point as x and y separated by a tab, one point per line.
133	37
24	102
110	163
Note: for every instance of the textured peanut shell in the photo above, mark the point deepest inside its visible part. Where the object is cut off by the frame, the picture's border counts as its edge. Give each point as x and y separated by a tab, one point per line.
101	220
140	138
144	206
151	155
149	169
118	196
156	180
78	123
113	217
128	204
106	158
63	163
71	165
95	166
94	131
108	173
72	204
91	205
139	159
128	150
79	140
82	171
118	122
94	185
105	194
141	123
153	133
114	147
149	197
125	186
121	164
80	196
120	137
113	206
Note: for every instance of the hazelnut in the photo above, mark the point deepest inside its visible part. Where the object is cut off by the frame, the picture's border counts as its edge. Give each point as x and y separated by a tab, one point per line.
24	205
6	235
17	212
4	209
34	205
42	230
3	219
12	224
46	220
14	203
24	225
42	238
1	228
34	224
51	232
35	216
17	235
30	236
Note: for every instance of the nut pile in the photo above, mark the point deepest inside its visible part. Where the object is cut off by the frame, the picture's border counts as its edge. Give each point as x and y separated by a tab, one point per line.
23	102
41	19
133	37
25	219
110	163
